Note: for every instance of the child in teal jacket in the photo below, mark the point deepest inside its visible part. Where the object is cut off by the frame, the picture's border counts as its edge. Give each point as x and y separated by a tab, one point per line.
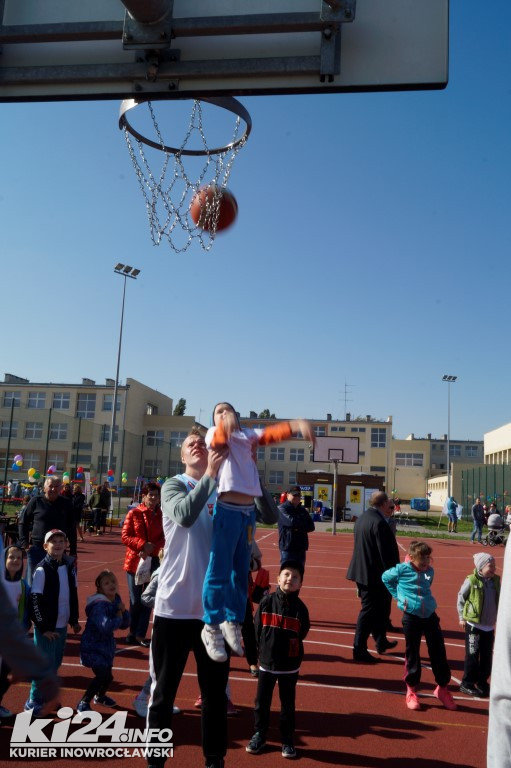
410	584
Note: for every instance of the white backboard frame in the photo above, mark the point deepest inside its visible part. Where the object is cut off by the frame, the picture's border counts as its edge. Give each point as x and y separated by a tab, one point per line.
344	450
92	49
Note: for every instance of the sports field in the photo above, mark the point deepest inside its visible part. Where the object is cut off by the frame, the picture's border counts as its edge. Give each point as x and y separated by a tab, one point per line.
347	714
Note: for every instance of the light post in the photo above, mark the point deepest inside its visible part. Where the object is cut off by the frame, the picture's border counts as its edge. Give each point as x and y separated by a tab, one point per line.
450	380
124	271
396	469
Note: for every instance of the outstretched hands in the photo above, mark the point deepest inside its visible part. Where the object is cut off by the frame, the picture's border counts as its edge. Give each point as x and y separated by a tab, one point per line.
303	426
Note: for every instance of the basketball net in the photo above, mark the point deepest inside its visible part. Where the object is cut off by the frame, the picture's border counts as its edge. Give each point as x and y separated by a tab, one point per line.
168	194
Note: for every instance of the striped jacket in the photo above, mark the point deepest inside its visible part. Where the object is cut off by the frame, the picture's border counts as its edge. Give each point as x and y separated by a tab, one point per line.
281	624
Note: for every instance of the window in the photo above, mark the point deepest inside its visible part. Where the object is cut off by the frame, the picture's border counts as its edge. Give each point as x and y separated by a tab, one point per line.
154	437
471	450
260	472
105	434
320	431
409	459
361	453
36	400
439	447
61	401
277	454
292	478
83	458
337	429
31	460
176	438
358	429
151	410
152	468
108	400
378	437
10	398
297	454
4	429
377	469
86	405
33	430
175	467
454	450
261	453
276	477
58	431
57	459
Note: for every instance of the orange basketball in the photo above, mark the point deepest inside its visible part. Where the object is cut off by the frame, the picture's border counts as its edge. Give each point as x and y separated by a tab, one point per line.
210	200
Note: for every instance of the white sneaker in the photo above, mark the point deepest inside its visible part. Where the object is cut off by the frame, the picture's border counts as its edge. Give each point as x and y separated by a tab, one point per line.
213	640
232	634
140	704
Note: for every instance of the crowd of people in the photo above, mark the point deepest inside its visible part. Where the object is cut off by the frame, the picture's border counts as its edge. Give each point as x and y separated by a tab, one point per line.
181	562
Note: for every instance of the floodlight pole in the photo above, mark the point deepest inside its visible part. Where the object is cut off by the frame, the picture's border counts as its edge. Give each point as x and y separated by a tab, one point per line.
124	271
450	380
334	499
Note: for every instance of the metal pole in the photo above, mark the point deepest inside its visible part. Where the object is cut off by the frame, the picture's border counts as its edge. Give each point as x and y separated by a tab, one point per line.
334	515
448	439
7	453
114	404
47	442
78	443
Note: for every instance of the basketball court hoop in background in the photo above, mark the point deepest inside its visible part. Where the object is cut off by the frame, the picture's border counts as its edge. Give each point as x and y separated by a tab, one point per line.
174	188
336	450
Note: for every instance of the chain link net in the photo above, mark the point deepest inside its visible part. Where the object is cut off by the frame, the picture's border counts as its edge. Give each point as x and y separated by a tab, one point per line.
169	195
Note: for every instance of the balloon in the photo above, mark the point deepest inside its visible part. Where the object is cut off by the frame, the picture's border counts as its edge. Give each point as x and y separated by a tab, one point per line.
111	478
65	479
32	479
51	469
65	474
18	457
110	473
79	475
36	475
15	467
31	472
79	470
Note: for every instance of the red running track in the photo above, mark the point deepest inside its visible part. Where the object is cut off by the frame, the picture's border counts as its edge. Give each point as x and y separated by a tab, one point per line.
347	714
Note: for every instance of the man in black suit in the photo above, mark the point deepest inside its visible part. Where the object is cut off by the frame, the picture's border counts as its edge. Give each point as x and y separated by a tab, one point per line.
375	550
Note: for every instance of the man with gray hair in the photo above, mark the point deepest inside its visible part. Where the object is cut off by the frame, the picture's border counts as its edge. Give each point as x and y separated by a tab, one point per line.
375	551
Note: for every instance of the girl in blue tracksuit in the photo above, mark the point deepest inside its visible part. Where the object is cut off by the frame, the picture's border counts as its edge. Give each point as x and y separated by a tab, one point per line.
410	584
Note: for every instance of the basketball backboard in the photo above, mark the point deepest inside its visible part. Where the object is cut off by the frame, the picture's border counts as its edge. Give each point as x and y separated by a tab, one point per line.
106	49
341	449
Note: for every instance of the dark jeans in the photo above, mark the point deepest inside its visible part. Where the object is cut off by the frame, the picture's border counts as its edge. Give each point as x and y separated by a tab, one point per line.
287	691
171	643
298	557
249	636
373	617
477	530
139	613
478	656
4	679
414	627
99	686
35	554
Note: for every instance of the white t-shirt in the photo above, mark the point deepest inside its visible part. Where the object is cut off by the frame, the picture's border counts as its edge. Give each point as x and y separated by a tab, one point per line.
186	558
13	589
238	471
38	582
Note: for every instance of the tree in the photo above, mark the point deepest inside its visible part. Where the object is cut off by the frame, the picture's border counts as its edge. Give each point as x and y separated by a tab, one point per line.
180	408
266	414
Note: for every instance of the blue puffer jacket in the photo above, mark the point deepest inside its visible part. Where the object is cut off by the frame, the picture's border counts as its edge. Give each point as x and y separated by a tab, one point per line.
411	589
97	647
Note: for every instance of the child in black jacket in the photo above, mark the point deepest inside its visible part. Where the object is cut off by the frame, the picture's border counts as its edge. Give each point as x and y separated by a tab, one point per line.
281	624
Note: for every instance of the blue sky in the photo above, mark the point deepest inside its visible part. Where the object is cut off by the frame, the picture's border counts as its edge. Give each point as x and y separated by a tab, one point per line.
371	247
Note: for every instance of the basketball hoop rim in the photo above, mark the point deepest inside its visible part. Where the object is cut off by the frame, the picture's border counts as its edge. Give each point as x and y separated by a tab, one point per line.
228	103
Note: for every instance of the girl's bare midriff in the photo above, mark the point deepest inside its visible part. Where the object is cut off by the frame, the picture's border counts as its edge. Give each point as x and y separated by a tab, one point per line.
234	497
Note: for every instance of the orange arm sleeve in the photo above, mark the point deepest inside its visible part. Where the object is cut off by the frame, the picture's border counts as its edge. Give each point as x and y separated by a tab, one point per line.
219	436
276	433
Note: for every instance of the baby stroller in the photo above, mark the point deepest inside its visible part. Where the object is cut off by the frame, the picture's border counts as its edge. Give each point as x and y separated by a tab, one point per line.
494	536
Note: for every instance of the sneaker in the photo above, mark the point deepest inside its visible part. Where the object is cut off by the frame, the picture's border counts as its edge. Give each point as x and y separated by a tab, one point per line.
470	690
35	706
176	711
231	709
255	744
412	702
198	702
288	750
140	704
83	706
364	657
4	712
484	690
232	635
444	695
105	701
213	640
254	671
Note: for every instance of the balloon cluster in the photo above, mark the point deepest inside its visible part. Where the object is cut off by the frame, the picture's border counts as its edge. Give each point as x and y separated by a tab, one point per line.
65	478
51	469
33	475
79	473
124	478
110	476
18	462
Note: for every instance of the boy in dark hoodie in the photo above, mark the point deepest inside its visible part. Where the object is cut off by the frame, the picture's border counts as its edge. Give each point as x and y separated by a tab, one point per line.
18	592
105	613
54	605
281	623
